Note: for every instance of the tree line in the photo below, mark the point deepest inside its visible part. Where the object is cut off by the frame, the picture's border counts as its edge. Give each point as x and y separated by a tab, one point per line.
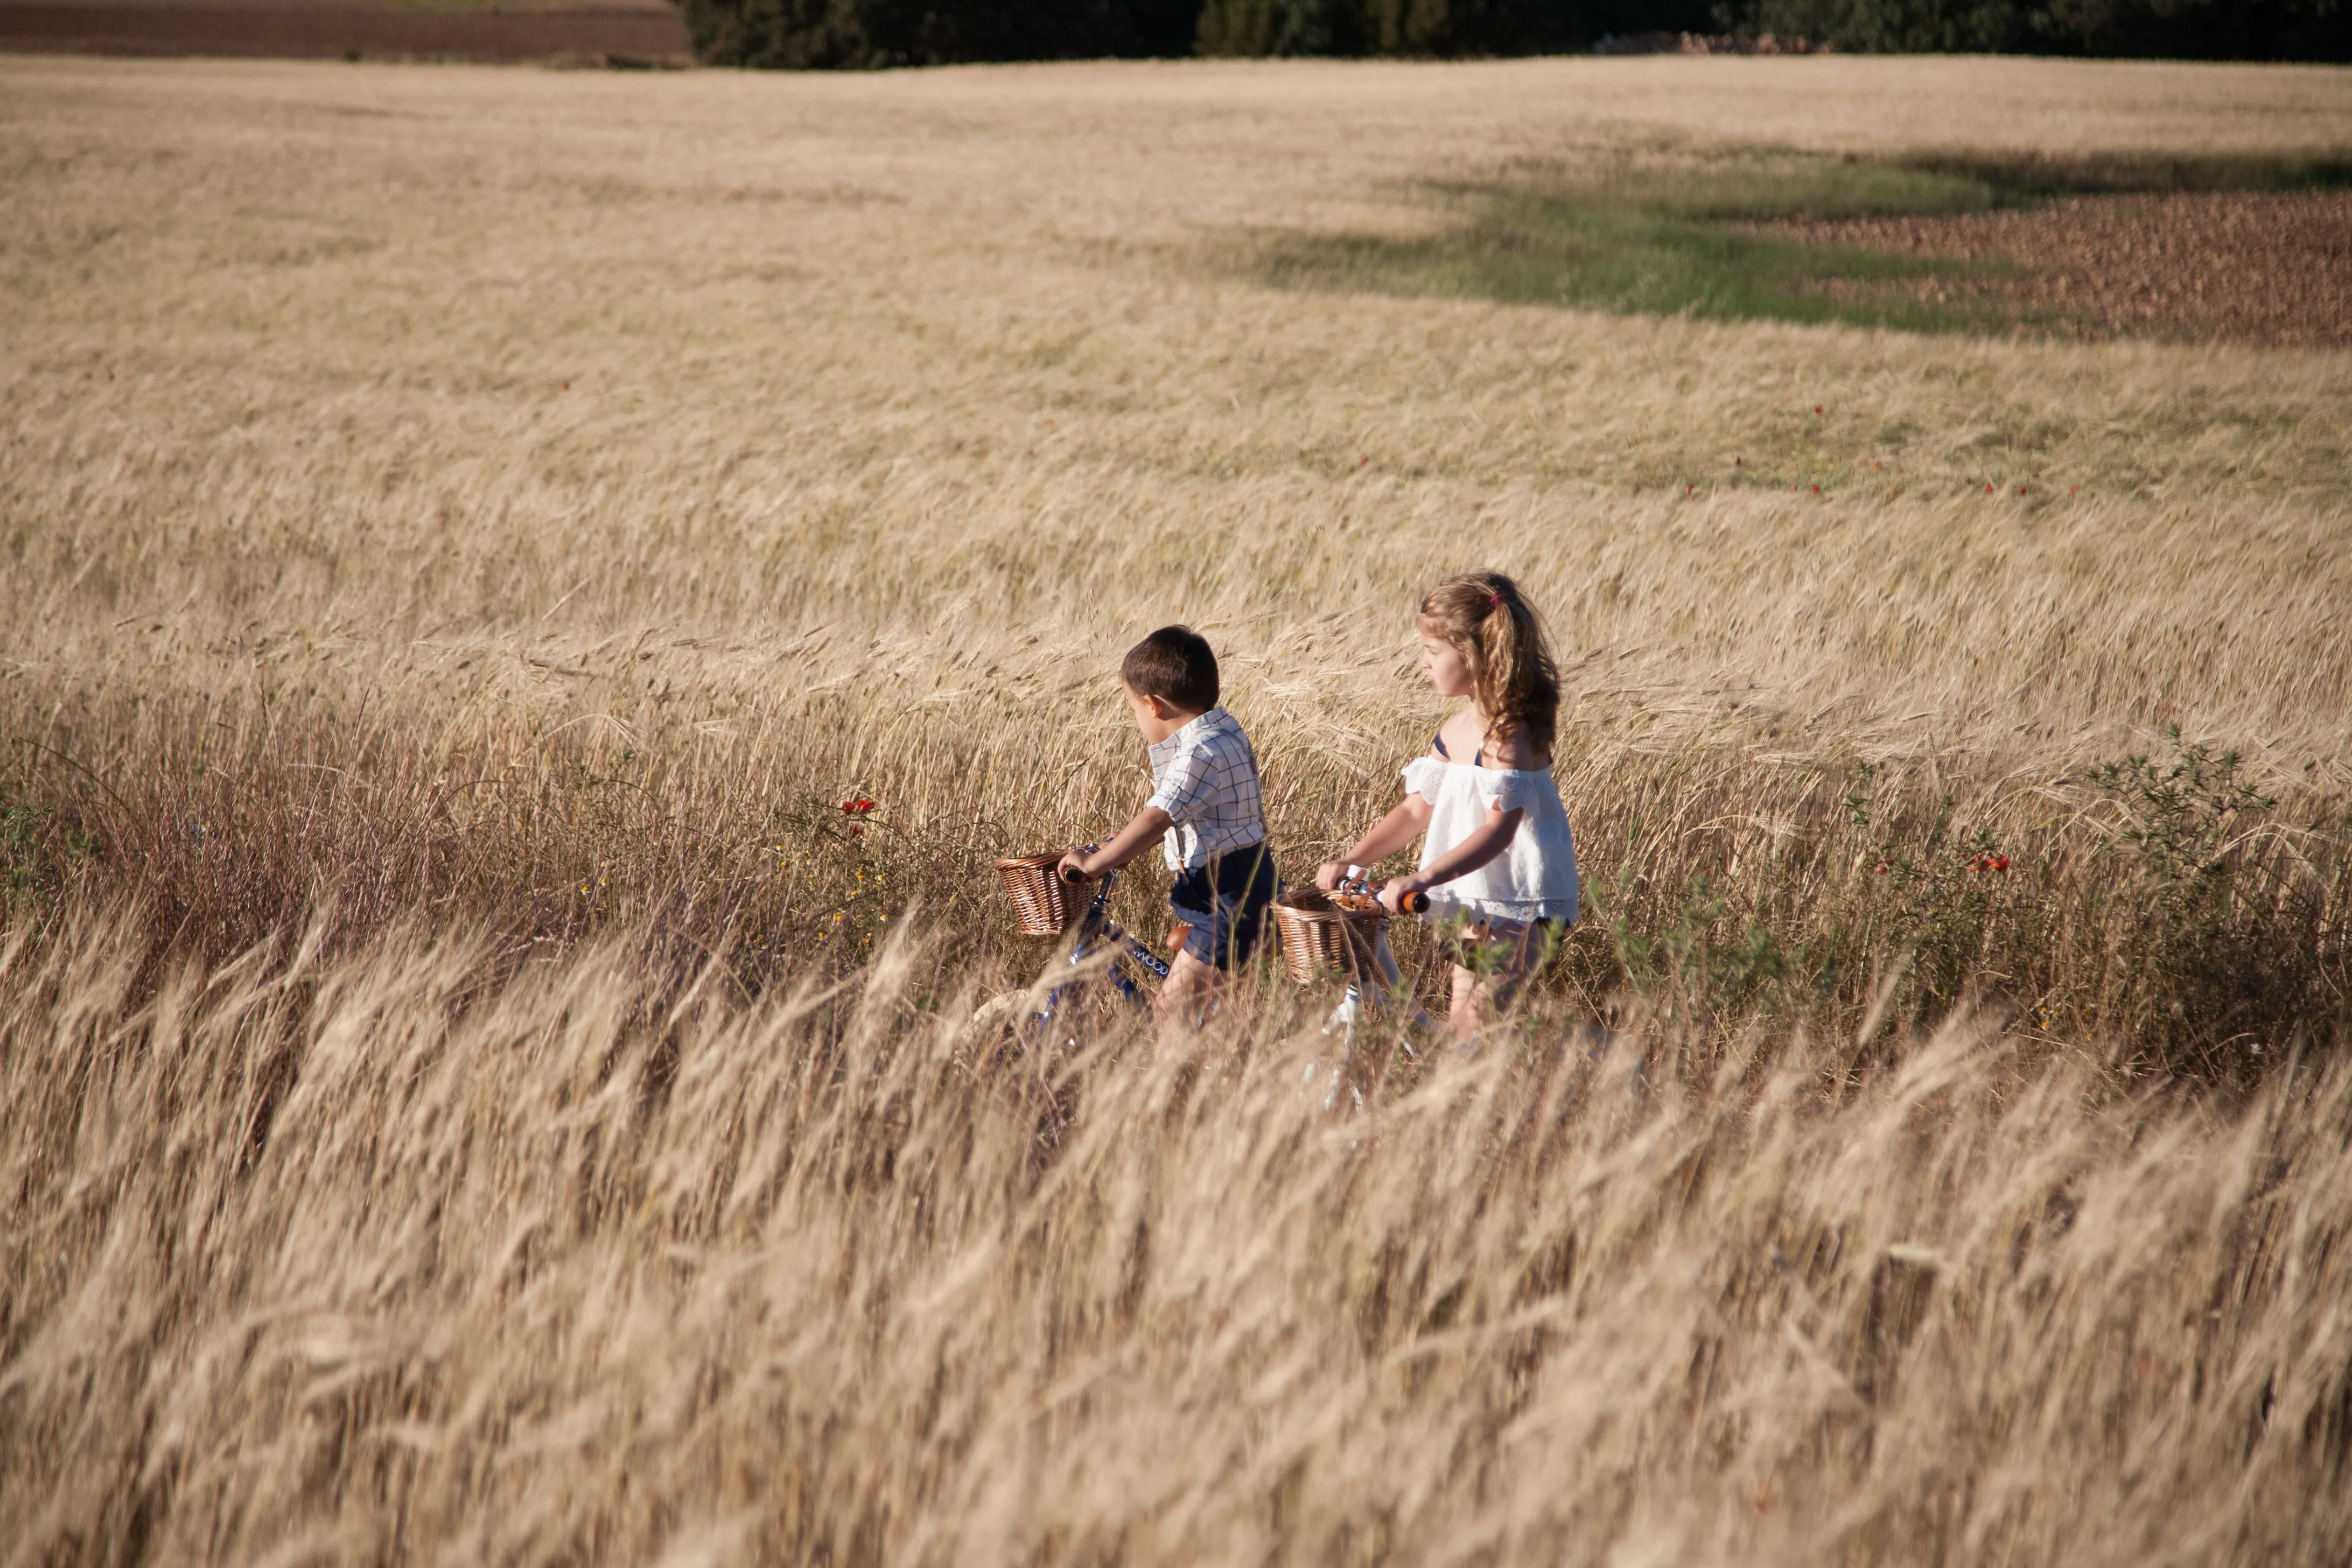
866	34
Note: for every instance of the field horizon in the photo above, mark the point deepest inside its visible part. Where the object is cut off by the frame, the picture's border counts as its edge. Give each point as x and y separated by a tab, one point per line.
468	1090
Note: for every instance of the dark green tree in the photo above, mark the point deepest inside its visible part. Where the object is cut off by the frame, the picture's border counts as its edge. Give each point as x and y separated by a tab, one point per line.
1434	27
2192	29
833	34
868	34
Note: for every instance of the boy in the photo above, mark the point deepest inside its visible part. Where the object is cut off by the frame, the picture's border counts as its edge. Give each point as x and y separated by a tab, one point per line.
1204	811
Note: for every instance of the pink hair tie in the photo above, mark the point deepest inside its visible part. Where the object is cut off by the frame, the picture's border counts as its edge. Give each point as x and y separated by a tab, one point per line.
1495	600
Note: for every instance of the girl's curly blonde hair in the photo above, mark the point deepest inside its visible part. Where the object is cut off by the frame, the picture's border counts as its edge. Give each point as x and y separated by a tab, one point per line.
1513	679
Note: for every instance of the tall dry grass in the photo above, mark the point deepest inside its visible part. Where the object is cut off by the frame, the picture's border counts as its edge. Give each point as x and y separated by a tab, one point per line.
408	1257
463	532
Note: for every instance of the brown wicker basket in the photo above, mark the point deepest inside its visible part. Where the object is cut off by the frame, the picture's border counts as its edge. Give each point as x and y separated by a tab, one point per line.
1323	935
1044	902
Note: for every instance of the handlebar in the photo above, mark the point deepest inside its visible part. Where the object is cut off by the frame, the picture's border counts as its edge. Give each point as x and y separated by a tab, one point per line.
1102	884
1412	903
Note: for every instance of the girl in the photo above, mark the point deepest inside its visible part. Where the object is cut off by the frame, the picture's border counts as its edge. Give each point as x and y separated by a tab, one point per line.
1497	853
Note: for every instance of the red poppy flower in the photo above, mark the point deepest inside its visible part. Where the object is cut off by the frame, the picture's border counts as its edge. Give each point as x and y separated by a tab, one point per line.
1988	487
1817	410
856	830
1817	489
858	807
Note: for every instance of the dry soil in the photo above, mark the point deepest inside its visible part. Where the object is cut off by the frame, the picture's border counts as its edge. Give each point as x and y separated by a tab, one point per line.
616	31
2273	269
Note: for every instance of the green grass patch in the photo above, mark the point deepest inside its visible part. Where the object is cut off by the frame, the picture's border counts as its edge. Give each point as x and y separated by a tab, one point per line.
1751	186
1527	251
1654	234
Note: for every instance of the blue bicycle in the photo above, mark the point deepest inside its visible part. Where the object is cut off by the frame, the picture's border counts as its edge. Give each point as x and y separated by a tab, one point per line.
1098	948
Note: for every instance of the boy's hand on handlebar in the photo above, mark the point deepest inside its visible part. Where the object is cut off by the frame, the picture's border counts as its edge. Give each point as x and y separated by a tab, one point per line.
1074	865
1330	874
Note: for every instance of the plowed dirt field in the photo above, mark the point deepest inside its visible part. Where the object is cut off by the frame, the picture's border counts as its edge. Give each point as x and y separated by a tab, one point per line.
2273	268
618	31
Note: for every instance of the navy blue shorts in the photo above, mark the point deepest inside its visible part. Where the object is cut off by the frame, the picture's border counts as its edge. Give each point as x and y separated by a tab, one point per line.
1224	903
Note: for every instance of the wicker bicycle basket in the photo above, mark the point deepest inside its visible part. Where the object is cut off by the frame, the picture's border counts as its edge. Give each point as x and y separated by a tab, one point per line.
1322	935
1044	902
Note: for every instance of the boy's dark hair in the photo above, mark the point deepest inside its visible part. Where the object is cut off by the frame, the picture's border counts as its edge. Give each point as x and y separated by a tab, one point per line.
1175	664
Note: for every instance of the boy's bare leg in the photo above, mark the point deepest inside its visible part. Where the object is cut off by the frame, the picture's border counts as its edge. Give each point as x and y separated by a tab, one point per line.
1191	984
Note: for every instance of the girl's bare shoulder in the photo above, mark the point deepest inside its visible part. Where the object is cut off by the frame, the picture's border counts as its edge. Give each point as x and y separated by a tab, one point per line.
1510	750
1460	737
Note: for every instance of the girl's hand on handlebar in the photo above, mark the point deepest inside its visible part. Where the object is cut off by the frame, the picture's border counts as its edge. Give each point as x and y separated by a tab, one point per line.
1330	874
1396	890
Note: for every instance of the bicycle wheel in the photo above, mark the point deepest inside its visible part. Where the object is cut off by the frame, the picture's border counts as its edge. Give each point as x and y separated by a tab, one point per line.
1000	1014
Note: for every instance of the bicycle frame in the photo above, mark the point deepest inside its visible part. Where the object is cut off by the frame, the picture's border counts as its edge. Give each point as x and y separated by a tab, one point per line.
1095	931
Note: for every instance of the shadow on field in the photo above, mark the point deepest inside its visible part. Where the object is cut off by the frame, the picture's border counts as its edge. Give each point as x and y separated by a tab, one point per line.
1766	234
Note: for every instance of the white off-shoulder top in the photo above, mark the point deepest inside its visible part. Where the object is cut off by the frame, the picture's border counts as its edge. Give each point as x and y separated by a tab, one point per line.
1534	879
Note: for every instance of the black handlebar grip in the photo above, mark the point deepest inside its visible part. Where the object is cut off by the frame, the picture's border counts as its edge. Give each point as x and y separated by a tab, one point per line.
1413	903
1070	875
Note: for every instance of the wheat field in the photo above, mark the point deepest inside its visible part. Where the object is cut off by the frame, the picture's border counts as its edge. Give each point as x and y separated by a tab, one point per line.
467	1094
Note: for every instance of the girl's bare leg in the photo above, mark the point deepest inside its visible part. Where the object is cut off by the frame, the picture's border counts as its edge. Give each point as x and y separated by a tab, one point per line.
1474	997
1463	1014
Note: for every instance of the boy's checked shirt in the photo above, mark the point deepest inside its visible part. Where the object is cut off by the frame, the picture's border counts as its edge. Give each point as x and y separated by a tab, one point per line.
1204	776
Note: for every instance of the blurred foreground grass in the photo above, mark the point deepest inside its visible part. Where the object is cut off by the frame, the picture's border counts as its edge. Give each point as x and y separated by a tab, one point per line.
412	1254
